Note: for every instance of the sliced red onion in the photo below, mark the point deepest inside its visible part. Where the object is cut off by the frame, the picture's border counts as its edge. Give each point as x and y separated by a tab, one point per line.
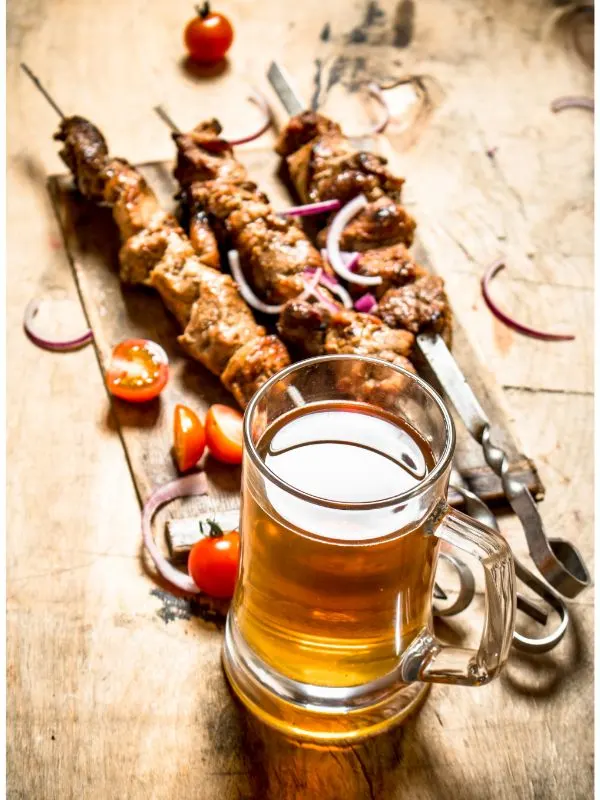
311	208
572	102
488	275
58	345
339	222
252	299
346	257
258	98
329	304
181	487
366	303
334	286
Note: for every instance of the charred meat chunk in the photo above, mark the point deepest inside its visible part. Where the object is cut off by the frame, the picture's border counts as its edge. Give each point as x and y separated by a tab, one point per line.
381	224
220	322
85	153
134	204
419	306
252	365
329	168
394	265
365	334
274	252
203	156
143	251
303	325
303	128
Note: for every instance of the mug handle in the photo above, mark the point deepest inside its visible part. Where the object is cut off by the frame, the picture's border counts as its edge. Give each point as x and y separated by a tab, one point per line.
427	659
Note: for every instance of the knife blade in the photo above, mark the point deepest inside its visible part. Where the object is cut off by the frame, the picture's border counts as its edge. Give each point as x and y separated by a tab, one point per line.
282	84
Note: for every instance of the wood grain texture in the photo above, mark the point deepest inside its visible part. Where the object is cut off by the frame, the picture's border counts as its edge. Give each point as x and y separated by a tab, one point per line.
114	688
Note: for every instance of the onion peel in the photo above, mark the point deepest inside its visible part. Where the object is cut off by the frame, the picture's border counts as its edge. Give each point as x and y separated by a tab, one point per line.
520	327
195	484
248	294
57	345
570	101
334	255
258	98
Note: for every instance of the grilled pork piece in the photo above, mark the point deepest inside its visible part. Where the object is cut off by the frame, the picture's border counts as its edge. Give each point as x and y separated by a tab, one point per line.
143	251
312	329
330	168
203	156
246	369
220	322
155	251
418	306
275	252
85	153
394	265
381	224
303	128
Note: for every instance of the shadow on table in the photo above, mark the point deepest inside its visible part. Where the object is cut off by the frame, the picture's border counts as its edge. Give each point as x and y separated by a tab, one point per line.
539	676
396	764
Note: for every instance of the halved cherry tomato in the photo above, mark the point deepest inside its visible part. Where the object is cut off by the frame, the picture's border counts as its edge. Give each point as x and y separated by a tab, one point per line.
213	564
224	433
208	36
189	437
138	370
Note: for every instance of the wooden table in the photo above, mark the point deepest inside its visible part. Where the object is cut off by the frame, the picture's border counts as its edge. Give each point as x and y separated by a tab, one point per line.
109	699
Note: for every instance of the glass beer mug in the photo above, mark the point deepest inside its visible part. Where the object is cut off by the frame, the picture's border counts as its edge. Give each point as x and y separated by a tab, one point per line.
345	475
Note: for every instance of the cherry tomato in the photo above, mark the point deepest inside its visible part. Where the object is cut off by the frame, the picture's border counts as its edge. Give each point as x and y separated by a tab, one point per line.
208	36
213	564
189	437
138	370
224	433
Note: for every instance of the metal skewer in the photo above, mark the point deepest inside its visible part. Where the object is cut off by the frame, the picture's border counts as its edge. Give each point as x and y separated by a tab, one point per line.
166	118
558	561
43	90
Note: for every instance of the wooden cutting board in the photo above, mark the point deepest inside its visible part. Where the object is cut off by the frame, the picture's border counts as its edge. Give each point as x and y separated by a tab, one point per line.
116	312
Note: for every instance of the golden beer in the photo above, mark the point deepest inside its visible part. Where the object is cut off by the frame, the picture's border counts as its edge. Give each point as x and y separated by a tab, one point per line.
326	602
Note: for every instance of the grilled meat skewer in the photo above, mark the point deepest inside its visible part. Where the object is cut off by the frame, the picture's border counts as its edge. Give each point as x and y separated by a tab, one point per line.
219	329
274	253
215	183
323	164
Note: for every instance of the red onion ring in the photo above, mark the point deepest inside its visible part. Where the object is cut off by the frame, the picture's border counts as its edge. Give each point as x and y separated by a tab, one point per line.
569	101
181	487
329	305
488	275
252	299
311	208
366	303
334	286
258	98
334	255
58	345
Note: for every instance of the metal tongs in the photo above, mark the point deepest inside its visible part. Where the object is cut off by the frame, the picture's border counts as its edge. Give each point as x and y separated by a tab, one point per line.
558	560
476	508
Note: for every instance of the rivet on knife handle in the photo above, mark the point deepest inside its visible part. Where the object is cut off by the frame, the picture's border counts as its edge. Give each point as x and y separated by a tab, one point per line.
558	561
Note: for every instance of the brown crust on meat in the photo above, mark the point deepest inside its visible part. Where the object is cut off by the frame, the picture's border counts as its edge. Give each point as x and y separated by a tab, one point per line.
252	366
419	306
85	153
